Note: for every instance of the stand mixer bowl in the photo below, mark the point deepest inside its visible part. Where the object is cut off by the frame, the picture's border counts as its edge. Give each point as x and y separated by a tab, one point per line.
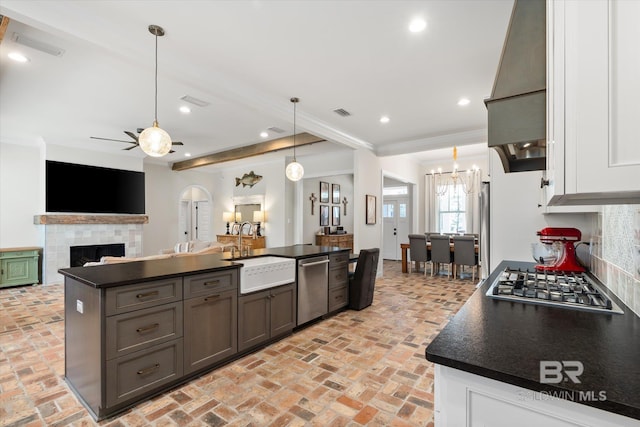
546	254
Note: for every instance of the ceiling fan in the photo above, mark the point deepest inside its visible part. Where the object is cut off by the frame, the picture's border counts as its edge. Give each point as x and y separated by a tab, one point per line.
135	140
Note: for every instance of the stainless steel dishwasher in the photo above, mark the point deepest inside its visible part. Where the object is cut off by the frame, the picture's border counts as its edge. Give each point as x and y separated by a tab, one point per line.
313	288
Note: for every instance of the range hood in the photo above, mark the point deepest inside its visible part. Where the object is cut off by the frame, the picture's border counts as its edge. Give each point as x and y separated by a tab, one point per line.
517	106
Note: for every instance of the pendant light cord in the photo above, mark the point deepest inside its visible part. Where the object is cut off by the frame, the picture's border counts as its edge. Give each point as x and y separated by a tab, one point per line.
294	130
156	89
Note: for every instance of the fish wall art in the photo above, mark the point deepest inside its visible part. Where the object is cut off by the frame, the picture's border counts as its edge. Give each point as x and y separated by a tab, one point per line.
249	179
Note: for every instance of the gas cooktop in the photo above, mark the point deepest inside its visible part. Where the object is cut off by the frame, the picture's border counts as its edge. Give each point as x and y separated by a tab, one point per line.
567	290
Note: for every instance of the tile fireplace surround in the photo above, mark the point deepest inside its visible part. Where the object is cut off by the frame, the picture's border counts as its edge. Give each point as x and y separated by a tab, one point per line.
60	232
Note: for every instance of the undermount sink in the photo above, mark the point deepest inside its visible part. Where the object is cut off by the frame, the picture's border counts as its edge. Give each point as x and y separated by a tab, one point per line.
266	272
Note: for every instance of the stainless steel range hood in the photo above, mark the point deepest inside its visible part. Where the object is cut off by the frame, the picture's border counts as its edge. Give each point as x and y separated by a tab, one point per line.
517	106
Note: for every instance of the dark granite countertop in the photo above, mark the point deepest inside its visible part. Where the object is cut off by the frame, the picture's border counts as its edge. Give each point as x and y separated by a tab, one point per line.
294	251
506	341
110	275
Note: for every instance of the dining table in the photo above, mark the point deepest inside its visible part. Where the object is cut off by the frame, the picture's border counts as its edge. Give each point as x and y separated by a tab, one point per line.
405	248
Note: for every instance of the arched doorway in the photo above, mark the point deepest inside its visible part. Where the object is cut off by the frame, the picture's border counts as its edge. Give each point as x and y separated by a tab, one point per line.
194	214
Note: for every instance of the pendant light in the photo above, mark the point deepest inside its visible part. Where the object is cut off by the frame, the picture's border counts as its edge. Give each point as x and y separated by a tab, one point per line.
153	140
294	170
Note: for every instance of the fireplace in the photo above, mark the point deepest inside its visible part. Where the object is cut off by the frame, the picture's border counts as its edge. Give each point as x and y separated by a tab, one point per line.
79	255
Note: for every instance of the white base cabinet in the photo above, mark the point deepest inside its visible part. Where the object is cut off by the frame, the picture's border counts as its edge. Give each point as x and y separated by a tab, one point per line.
464	399
593	150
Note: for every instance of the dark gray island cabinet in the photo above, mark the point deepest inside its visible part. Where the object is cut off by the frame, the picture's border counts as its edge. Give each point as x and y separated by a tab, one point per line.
266	315
129	339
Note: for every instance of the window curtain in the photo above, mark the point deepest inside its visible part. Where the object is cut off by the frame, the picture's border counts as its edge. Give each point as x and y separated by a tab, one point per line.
430	205
472	213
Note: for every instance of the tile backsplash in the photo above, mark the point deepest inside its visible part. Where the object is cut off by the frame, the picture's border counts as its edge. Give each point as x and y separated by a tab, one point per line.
615	251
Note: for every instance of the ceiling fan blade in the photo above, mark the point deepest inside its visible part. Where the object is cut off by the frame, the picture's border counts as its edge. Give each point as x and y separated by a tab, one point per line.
132	135
130	148
177	143
171	151
110	139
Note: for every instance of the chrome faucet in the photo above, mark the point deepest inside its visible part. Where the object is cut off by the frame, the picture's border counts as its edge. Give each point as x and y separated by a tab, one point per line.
251	231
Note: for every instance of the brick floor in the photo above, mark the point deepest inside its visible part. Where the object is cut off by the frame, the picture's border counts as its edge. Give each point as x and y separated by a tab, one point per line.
356	368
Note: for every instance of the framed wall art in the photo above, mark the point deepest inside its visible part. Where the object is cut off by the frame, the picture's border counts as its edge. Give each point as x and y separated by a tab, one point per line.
371	209
335	217
335	193
324	215
324	192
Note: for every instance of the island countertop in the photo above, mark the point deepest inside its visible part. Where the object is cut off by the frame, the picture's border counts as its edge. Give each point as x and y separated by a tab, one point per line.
293	251
506	341
125	273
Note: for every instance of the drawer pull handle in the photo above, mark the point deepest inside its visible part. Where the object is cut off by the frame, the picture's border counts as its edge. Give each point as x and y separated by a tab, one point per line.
150	369
147	328
211	297
147	294
211	283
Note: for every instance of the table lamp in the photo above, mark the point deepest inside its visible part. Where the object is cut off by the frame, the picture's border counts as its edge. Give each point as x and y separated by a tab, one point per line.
227	217
258	217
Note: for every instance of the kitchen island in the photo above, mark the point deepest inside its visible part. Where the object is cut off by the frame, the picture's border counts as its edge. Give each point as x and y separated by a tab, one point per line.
136	329
488	364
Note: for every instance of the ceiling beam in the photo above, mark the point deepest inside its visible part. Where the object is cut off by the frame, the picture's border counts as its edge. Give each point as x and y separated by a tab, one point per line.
3	26
247	151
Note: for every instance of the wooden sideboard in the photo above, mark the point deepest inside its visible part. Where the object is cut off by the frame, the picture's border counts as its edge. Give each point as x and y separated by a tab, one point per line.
247	241
335	240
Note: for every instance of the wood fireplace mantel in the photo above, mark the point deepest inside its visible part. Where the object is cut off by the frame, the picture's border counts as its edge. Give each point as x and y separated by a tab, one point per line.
90	219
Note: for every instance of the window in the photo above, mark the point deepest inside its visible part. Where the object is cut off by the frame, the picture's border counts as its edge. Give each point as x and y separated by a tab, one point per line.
387	210
452	210
395	191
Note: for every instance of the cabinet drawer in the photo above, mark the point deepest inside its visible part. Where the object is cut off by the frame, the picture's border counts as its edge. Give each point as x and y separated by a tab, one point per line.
338	297
140	372
208	283
137	330
338	259
134	297
338	276
19	254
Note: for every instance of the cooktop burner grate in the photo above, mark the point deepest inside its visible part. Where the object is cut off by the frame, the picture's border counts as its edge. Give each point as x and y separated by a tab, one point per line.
567	290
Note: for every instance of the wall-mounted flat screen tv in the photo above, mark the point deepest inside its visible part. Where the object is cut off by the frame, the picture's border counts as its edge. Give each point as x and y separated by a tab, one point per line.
78	188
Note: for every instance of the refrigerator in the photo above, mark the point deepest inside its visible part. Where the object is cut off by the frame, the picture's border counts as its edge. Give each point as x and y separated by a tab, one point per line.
484	238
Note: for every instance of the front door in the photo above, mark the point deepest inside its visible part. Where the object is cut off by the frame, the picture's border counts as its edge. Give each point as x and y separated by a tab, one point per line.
395	226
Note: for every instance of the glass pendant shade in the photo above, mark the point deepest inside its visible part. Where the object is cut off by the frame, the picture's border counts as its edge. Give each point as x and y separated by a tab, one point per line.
294	171
155	141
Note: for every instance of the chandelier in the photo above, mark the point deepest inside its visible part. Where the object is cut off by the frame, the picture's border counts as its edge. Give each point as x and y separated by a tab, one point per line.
467	180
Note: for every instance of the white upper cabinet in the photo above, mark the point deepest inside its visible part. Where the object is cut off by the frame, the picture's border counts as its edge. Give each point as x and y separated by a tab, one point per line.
593	120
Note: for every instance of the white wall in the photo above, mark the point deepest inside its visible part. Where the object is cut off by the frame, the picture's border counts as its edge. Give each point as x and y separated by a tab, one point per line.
404	169
515	215
164	188
272	187
311	223
21	195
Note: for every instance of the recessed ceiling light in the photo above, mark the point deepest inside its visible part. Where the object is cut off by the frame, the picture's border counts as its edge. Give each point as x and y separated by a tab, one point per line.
464	101
264	134
18	57
384	119
417	25
187	154
184	109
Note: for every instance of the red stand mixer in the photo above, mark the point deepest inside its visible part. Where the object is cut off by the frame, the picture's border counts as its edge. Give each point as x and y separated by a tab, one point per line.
560	241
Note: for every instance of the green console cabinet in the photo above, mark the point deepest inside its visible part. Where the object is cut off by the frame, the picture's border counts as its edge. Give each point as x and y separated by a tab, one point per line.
19	266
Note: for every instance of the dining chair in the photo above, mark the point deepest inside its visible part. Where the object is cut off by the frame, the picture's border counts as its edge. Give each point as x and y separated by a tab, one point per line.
464	253
440	253
418	251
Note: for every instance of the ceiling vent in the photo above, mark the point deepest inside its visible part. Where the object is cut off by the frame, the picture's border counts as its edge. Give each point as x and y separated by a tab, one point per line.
37	44
342	112
275	129
195	101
